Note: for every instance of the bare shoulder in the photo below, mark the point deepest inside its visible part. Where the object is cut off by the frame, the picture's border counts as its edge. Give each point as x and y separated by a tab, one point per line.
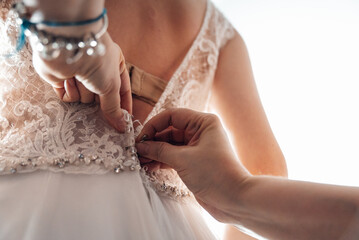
234	59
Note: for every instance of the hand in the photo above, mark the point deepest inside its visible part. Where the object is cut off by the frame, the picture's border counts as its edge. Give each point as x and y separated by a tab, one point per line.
101	78
196	146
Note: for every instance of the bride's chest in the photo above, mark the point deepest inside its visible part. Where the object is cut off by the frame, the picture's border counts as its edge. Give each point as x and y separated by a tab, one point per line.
152	41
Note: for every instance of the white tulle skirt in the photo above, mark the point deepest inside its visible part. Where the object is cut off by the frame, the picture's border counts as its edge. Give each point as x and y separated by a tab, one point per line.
57	206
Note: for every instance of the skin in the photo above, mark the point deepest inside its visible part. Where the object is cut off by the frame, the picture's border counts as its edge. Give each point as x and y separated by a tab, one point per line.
272	207
165	30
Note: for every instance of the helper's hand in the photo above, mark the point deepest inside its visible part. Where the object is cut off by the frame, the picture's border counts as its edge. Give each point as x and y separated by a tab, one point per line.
196	146
101	78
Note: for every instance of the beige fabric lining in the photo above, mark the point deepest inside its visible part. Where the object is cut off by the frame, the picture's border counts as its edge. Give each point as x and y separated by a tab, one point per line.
145	86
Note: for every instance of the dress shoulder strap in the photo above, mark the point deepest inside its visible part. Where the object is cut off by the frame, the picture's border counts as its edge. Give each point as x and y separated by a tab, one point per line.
221	27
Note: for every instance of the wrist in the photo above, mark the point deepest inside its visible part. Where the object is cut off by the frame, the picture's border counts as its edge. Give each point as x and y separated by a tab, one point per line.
65	10
239	182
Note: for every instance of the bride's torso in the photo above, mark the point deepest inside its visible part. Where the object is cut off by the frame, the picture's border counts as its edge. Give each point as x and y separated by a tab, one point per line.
179	43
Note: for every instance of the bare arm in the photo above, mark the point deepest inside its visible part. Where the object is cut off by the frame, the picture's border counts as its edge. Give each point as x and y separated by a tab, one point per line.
283	209
273	207
235	98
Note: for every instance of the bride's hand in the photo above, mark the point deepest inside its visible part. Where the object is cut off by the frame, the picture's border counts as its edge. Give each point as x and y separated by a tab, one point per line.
92	78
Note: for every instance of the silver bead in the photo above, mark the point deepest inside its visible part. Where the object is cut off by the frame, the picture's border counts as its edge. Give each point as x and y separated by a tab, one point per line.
61	163
81	156
163	187
45	40
118	169
93	43
27	33
13	170
70	47
81	44
23	164
39	47
128	129
132	150
90	51
55	45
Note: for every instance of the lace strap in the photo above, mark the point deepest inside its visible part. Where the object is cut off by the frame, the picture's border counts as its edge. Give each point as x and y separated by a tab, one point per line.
223	28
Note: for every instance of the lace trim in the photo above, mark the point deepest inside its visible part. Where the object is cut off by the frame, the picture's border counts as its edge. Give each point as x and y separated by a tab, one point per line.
61	153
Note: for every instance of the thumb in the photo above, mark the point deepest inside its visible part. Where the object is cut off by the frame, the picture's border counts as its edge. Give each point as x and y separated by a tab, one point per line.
160	151
111	107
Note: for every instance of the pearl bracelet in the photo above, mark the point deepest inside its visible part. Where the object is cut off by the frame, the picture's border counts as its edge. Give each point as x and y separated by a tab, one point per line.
50	46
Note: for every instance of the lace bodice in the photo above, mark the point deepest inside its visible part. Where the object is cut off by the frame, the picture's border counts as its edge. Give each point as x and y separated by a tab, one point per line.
38	131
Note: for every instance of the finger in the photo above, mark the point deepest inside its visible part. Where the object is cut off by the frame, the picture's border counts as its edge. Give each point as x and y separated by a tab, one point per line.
71	92
152	166
148	162
47	73
161	152
125	90
111	107
144	160
85	95
171	135
182	119
66	90
51	79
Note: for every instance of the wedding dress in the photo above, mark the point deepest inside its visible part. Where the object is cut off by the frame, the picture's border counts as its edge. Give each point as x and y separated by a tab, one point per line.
66	174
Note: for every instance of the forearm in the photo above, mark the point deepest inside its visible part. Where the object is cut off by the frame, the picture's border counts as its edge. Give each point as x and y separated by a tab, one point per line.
66	10
282	209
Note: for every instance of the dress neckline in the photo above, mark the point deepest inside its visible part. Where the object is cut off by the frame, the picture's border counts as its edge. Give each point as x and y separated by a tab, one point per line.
179	69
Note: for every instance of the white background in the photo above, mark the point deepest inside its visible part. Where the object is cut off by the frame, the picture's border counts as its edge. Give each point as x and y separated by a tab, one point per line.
305	58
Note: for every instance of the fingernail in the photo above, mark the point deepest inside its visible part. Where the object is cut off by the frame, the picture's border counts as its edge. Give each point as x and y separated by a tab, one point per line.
144	138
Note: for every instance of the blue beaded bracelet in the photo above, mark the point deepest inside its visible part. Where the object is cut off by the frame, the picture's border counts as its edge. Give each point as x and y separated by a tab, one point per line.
49	46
